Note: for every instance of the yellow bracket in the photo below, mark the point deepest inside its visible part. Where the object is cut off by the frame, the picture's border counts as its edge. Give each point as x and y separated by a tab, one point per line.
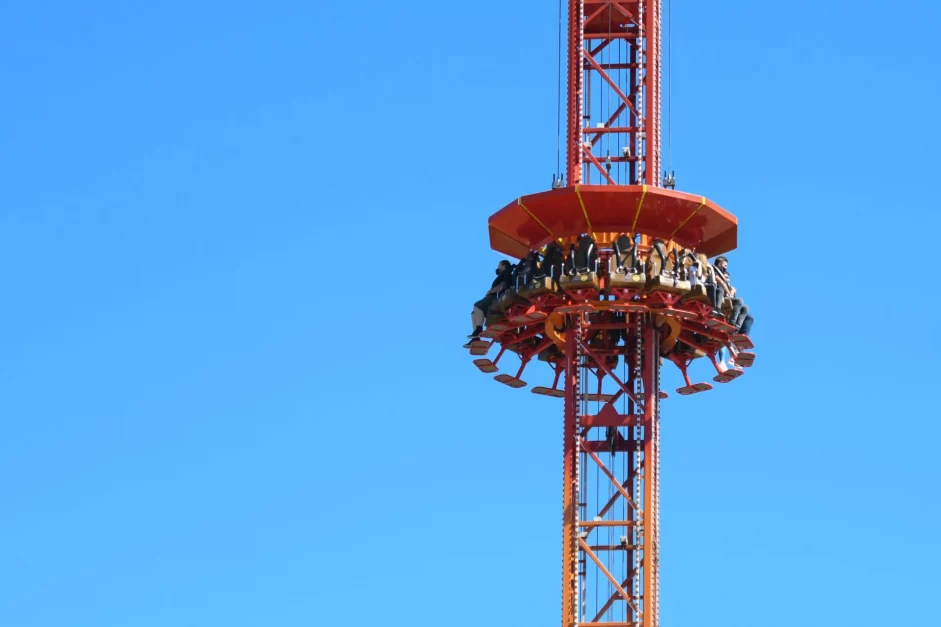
533	216
683	223
637	215
584	211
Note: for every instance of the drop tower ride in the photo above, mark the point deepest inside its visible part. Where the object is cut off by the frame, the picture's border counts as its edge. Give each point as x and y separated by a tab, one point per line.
607	316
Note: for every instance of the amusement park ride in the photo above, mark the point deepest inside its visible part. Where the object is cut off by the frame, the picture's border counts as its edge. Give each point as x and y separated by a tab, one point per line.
610	314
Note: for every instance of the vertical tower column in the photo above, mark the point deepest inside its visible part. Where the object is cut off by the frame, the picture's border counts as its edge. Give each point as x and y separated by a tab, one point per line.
614	74
650	527
610	552
570	482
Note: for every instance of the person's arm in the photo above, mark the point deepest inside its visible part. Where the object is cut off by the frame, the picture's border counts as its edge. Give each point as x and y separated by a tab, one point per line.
502	284
720	279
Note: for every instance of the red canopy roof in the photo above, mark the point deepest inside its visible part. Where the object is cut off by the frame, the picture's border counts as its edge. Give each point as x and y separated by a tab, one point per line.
532	221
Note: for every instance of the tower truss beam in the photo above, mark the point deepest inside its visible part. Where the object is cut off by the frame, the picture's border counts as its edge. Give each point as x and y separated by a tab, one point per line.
613	81
610	477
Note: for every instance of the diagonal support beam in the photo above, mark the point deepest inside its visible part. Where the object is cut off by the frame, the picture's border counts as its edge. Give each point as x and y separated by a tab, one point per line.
610	602
614	87
597	164
610	373
604	44
614	497
607	574
626	13
611	120
611	477
601	9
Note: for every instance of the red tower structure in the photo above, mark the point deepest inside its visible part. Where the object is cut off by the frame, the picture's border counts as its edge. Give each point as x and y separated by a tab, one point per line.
619	307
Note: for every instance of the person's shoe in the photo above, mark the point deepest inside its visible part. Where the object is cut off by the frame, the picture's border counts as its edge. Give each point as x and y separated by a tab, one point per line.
721	366
476	334
468	345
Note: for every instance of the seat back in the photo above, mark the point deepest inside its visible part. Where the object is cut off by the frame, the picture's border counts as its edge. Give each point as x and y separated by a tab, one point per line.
552	261
585	255
569	267
527	268
514	278
656	259
674	265
625	255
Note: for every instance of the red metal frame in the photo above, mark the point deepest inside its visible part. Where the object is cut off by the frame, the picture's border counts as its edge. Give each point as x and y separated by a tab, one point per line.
594	345
626	92
614	67
613	168
631	489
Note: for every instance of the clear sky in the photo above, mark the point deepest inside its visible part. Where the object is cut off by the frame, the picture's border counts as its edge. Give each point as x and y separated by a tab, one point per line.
238	245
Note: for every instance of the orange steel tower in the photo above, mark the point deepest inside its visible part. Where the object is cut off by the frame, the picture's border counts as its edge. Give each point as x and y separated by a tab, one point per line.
604	297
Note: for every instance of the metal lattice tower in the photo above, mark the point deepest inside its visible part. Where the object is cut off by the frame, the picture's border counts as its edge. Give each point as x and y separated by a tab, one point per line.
605	329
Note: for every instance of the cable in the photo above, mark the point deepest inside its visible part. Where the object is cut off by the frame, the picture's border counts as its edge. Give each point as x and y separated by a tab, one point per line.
607	136
626	474
622	74
669	85
611	555
558	115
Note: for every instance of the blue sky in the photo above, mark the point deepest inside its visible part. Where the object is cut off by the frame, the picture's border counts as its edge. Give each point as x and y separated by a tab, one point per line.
239	242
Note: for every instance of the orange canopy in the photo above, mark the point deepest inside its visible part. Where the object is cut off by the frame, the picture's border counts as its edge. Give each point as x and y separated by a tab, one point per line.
532	221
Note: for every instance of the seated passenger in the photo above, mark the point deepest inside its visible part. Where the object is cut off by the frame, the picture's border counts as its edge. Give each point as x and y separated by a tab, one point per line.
740	318
503	281
713	289
695	272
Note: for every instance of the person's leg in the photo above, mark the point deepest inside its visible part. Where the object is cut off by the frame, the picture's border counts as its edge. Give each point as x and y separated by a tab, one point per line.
716	295
477	320
479	315
746	324
721	357
736	307
741	316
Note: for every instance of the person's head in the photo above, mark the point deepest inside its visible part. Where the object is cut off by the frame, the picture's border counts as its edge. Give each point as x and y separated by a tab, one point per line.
503	266
722	263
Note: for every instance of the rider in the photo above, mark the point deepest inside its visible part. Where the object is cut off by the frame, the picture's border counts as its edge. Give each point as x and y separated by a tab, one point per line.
503	281
740	318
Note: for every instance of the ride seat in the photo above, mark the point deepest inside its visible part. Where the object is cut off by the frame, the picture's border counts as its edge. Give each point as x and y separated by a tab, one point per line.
546	275
664	270
568	268
624	266
625	252
508	298
527	268
697	293
661	283
583	264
